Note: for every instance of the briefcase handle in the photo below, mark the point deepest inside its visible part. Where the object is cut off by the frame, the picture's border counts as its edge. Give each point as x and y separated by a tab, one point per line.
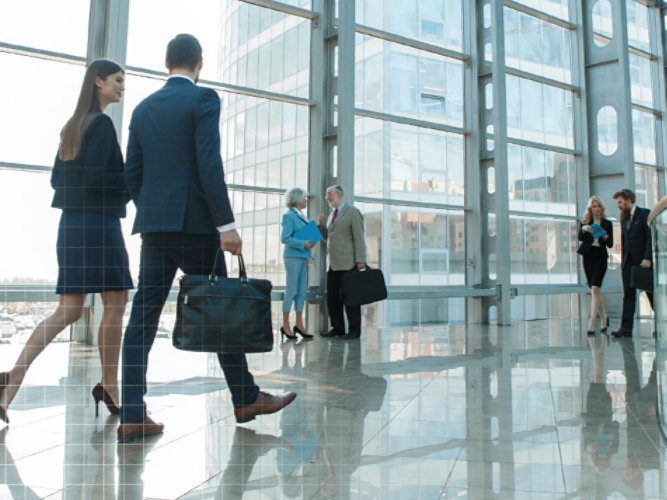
212	277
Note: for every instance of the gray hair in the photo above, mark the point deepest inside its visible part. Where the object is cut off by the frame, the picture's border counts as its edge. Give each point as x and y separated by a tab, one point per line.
294	197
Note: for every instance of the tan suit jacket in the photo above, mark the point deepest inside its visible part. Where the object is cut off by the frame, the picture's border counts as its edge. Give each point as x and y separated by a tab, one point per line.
346	243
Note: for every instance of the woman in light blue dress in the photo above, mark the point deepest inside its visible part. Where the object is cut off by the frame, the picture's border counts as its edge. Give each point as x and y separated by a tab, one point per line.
295	255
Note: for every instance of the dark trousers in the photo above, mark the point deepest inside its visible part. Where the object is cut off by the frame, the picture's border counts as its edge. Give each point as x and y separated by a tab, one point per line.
161	255
630	299
335	305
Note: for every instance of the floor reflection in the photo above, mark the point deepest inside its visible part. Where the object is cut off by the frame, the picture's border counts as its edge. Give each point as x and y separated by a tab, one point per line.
531	411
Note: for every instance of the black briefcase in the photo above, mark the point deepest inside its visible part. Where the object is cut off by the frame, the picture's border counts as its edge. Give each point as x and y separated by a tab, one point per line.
641	279
363	287
219	314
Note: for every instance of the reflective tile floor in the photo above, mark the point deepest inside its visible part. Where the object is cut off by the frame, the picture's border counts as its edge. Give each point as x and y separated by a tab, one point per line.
534	411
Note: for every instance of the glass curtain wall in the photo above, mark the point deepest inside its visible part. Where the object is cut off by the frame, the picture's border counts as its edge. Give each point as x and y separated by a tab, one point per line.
643	71
541	161
399	164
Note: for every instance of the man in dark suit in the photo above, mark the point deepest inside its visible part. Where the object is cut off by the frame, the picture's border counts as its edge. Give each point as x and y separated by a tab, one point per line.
637	251
174	176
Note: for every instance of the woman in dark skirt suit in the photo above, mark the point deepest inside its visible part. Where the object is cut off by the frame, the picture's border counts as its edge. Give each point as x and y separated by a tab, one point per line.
595	258
88	181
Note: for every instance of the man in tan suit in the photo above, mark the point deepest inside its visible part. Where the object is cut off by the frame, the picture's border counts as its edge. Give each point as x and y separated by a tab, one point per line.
343	231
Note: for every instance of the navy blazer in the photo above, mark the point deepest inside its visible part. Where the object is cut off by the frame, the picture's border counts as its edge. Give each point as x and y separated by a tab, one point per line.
637	241
93	181
173	170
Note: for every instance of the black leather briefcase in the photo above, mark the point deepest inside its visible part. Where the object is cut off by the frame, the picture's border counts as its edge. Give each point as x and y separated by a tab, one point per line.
641	279
218	314
363	287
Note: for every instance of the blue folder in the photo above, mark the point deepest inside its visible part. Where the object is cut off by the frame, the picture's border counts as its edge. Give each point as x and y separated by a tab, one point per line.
598	232
309	232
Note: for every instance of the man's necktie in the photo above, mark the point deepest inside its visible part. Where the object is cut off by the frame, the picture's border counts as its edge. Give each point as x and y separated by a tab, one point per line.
334	215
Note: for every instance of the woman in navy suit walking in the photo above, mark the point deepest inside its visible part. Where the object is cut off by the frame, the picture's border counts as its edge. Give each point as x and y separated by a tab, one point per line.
88	181
295	255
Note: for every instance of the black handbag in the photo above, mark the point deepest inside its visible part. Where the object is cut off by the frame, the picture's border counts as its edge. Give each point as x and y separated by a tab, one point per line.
363	287
220	314
641	279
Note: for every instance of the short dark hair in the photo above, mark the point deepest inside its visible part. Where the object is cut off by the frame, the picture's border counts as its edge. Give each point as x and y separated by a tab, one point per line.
339	189
626	194
183	51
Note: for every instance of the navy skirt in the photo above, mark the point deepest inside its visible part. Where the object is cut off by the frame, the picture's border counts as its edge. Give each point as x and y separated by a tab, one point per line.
91	254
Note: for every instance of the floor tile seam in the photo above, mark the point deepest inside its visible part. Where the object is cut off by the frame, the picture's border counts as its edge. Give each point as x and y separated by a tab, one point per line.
391	419
200	485
555	416
50	448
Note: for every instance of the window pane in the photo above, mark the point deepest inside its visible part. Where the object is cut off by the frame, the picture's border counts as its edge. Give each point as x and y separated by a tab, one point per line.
421	85
557	8
549	247
29	134
537	46
45	24
28	257
539	113
541	181
264	49
403	162
640	79
646	186
264	143
439	22
423	246
638	30
643	131
258	218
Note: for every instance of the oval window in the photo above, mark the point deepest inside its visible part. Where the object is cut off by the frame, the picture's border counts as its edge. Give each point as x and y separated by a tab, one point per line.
607	131
603	29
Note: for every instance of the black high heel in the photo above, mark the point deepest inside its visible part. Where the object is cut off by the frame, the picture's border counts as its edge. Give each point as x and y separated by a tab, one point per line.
101	394
604	330
285	334
303	334
590	333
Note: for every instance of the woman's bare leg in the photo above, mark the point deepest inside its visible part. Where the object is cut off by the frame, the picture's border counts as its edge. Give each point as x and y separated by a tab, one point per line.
69	310
109	338
286	325
602	310
299	321
595	307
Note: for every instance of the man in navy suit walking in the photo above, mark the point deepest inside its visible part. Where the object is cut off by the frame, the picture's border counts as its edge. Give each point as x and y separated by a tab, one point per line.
175	178
637	250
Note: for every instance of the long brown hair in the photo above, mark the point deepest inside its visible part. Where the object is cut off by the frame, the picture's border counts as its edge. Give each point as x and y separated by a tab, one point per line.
588	214
87	107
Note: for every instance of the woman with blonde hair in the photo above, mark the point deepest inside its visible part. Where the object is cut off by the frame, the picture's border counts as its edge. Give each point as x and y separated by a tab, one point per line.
596	235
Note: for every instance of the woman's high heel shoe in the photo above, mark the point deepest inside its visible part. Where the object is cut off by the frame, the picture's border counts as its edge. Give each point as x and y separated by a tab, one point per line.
4	382
101	394
604	330
303	334
285	334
